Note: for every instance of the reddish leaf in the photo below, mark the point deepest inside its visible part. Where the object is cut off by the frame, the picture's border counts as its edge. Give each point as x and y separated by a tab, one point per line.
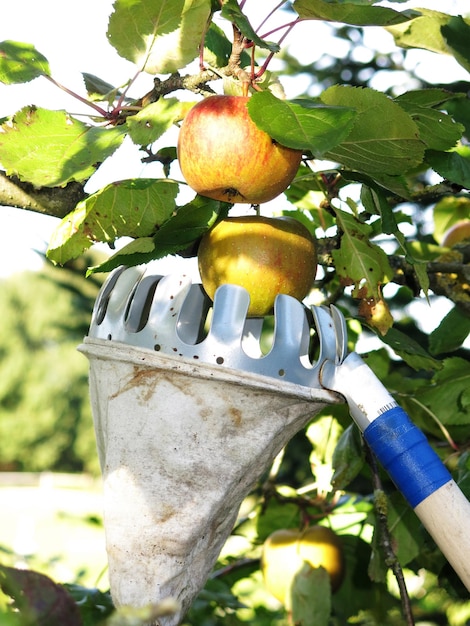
41	600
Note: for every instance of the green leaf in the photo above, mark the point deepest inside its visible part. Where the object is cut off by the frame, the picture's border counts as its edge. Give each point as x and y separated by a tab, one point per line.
431	98
51	148
457	33
460	111
156	118
404	527
132	208
232	12
21	62
311	597
99	90
276	515
373	146
422	32
453	165
159	37
449	394
358	261
348	458
189	223
410	350
451	332
355	13
315	128
436	129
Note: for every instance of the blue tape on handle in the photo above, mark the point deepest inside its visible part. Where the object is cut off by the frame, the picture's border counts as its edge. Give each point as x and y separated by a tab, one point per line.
405	453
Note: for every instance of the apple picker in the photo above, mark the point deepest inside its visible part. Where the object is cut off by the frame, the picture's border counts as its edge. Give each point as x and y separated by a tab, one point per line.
179	433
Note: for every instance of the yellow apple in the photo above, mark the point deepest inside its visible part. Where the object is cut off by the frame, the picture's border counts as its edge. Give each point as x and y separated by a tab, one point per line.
458	232
285	552
265	255
223	154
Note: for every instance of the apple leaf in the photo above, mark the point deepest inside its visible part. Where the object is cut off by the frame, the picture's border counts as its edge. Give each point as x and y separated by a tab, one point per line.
432	97
423	31
453	165
21	62
373	146
375	201
160	37
353	12
149	124
405	527
311	597
438	130
99	90
449	394
317	128
358	261
132	208
348	458
38	599
365	266
451	332
231	11
184	228
410	351
456	33
51	148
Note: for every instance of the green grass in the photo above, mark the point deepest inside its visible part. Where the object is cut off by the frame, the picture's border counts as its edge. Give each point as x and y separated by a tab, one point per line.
56	530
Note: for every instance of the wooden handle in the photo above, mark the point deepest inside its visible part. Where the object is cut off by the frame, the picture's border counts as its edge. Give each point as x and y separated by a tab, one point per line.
446	516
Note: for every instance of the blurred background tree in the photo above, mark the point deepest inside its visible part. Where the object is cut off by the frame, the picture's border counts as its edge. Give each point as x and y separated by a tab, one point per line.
45	415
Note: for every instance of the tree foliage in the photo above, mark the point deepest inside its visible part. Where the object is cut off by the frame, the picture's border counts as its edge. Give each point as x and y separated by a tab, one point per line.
385	174
45	417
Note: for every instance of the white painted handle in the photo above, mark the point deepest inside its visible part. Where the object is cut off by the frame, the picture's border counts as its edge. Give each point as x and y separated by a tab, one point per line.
446	516
408	458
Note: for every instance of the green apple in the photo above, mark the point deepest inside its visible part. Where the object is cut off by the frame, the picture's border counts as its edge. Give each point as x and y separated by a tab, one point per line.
265	255
223	154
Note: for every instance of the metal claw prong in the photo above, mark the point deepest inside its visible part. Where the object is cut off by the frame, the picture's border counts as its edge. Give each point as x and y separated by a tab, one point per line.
326	331
341	331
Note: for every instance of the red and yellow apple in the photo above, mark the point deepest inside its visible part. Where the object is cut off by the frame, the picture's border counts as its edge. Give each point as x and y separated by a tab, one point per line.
457	233
265	255
223	154
285	553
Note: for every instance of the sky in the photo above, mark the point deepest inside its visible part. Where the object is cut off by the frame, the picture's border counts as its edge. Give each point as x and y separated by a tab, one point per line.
75	41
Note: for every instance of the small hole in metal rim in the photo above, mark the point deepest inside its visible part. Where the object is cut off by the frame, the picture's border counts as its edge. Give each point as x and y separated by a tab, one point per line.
219	360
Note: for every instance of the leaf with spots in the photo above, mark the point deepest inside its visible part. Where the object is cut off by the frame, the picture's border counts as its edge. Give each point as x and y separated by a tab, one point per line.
161	36
179	233
365	266
21	62
51	148
129	208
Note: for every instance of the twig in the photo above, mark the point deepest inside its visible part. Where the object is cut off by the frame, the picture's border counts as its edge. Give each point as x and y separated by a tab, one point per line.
391	560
